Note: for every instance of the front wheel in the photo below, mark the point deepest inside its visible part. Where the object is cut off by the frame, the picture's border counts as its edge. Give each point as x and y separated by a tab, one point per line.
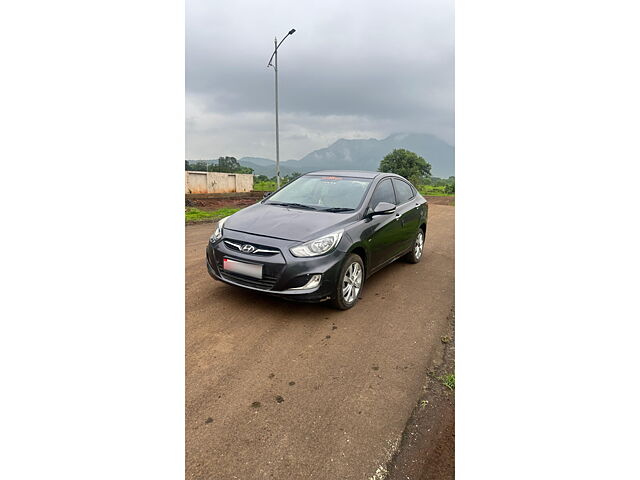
350	281
415	254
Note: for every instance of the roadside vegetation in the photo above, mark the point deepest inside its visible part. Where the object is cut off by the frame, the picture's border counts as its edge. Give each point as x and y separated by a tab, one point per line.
196	215
262	183
268	186
440	191
448	381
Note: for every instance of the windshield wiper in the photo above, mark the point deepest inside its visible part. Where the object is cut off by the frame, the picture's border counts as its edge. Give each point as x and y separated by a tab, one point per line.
294	205
338	209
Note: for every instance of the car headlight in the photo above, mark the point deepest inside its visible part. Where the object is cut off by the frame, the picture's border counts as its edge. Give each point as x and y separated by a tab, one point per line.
319	246
217	235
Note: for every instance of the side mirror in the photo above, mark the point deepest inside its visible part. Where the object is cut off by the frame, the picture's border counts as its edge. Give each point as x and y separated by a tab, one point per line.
384	208
266	194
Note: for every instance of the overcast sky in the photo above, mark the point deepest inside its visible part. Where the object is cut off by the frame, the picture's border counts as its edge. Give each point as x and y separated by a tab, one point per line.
352	69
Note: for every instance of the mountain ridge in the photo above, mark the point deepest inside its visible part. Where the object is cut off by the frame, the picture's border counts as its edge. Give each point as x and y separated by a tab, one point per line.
363	154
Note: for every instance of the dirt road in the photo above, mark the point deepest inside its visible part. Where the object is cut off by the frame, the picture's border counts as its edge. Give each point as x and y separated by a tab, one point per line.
276	389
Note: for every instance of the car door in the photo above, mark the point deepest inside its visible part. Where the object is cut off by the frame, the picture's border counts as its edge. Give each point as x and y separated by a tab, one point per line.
408	210
384	230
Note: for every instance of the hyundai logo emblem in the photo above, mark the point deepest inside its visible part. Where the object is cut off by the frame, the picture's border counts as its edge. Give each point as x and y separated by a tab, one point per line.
248	248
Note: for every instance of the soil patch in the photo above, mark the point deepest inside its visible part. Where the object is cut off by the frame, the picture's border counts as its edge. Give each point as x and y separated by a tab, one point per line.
427	449
218	203
438	200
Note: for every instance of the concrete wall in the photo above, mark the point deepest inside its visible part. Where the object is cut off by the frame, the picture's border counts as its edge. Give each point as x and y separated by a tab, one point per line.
216	182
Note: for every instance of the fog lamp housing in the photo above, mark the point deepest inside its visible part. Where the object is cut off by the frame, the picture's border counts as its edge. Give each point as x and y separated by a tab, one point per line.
313	282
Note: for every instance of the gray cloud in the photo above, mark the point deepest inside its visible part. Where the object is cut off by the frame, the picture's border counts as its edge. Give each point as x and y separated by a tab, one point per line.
354	69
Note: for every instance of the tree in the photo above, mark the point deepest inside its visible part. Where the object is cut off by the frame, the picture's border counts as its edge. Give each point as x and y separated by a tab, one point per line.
225	165
406	164
291	177
199	166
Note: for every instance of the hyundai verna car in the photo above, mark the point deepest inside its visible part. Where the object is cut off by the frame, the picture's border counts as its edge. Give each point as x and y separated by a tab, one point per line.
321	236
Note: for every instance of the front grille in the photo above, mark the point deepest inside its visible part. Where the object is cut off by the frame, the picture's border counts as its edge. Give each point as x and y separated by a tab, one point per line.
266	283
261	250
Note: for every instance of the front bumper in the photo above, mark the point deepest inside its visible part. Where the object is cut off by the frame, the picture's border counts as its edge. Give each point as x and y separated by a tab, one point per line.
282	272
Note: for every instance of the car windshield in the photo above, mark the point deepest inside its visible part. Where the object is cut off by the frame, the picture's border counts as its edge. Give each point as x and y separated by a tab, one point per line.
323	193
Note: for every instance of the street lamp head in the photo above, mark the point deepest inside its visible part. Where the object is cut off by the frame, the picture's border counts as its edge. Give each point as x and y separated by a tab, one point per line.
292	31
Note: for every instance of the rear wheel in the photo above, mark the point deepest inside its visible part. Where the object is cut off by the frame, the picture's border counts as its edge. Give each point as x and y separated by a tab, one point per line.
350	282
415	254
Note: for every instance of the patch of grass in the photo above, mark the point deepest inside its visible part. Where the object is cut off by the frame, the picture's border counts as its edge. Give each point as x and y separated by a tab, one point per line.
197	215
448	381
434	191
264	186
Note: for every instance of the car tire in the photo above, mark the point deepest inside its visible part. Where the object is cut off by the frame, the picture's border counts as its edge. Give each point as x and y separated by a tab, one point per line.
350	283
417	250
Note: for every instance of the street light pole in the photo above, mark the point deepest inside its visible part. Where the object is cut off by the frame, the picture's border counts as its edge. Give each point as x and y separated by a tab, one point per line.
275	52
275	68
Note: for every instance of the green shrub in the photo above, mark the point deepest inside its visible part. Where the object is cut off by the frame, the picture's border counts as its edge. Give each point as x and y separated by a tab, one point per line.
194	214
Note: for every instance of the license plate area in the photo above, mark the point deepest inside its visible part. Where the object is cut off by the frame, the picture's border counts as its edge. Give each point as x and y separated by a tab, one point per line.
248	269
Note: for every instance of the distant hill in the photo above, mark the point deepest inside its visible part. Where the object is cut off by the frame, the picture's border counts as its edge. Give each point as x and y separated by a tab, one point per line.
258	161
265	166
363	154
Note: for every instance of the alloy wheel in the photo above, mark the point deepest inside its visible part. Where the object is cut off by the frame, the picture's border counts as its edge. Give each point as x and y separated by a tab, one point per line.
417	249
352	282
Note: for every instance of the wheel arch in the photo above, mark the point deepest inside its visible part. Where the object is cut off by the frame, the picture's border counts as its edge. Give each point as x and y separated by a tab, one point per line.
362	253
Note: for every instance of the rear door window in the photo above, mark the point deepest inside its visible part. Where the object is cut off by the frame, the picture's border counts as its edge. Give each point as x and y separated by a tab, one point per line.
403	191
383	193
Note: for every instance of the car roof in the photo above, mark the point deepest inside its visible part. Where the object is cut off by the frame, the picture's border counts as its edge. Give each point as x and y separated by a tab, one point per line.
347	173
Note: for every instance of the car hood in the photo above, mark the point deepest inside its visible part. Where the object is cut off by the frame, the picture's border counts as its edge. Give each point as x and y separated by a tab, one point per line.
287	223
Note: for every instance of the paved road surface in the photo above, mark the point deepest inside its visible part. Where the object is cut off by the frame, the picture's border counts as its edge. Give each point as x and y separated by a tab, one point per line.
282	390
